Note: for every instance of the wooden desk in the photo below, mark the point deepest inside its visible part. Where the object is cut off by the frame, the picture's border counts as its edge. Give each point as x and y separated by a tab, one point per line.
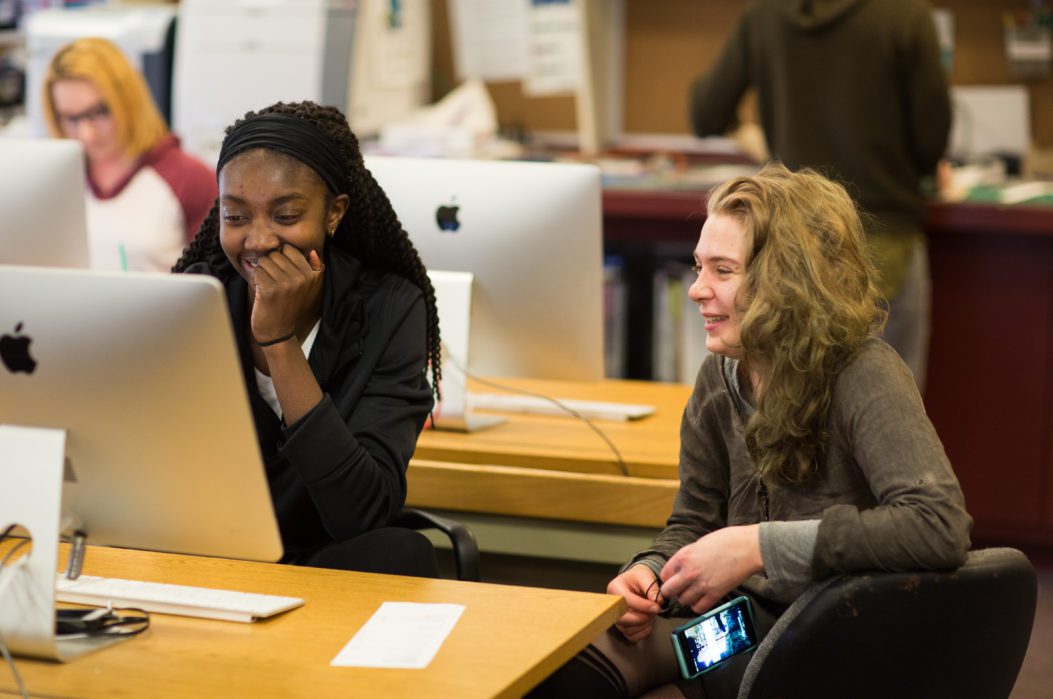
555	467
506	641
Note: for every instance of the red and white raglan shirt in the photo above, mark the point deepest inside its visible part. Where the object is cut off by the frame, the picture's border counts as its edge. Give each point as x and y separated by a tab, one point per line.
146	221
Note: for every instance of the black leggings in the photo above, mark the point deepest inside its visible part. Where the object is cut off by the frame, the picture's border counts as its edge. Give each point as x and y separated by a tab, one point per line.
390	550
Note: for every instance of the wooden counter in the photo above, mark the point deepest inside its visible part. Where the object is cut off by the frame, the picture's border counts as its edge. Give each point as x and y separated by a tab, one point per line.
556	467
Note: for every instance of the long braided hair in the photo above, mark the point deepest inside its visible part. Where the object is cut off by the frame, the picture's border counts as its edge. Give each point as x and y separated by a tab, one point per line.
370	230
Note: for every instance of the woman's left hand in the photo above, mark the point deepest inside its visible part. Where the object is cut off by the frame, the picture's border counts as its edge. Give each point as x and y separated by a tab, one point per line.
700	574
287	284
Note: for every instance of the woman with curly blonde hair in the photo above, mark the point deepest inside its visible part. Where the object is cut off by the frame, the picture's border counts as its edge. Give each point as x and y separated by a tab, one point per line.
805	448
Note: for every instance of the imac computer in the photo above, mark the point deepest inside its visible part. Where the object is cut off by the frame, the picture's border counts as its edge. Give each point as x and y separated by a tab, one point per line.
531	235
42	203
142	374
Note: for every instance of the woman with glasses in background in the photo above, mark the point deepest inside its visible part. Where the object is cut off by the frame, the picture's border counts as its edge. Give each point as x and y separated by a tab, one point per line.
146	198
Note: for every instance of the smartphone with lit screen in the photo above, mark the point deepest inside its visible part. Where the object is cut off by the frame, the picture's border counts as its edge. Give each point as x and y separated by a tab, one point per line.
703	643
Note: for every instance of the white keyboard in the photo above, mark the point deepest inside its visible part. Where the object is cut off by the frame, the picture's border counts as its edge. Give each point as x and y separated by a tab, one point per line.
517	403
184	600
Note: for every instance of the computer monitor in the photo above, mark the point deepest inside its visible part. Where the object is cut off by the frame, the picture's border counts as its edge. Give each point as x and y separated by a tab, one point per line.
143	374
235	55
42	203
531	234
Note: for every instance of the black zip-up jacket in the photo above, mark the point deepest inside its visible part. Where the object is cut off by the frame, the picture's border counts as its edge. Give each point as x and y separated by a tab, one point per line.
341	469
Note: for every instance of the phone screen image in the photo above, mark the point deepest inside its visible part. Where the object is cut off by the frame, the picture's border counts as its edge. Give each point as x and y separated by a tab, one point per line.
715	636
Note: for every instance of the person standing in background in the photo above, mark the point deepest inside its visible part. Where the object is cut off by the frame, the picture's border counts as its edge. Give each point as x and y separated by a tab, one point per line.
146	198
855	89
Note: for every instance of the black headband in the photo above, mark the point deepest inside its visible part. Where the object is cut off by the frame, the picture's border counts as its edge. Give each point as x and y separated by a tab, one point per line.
290	135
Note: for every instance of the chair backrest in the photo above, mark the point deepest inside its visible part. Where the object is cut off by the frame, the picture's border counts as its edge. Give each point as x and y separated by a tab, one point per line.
462	540
960	633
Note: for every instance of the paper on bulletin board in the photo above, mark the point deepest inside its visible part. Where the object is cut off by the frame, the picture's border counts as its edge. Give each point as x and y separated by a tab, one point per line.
489	38
555	51
390	75
399	41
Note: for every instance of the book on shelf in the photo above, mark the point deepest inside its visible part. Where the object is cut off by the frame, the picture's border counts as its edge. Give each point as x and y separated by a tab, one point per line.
615	317
679	334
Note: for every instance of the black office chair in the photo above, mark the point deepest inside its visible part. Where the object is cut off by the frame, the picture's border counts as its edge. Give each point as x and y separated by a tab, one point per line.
465	548
960	633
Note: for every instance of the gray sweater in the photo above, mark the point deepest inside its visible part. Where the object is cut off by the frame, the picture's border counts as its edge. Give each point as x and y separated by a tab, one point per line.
885	497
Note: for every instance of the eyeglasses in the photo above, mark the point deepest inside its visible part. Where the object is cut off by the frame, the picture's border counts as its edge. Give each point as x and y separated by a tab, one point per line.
92	114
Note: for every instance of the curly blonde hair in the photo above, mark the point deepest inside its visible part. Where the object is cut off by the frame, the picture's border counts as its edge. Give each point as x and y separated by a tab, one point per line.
808	301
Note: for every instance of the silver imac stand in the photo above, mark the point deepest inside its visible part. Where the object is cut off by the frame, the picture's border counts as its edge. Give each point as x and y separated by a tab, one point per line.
453	298
31	471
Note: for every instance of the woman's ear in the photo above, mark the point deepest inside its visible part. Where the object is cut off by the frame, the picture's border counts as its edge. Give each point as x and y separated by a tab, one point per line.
338	206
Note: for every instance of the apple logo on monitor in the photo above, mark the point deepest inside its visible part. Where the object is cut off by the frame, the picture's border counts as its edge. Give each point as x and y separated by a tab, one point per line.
446	217
14	352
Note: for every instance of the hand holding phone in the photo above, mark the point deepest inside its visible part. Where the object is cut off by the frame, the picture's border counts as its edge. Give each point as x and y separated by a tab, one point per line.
725	631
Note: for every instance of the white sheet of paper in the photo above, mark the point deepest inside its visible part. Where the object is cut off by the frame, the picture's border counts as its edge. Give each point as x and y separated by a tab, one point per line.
555	51
400	635
489	38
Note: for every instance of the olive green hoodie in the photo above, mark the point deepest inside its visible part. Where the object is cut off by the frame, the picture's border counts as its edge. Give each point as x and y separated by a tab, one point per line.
853	88
813	14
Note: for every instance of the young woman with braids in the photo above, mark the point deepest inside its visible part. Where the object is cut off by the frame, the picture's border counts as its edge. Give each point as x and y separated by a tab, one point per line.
805	448
336	325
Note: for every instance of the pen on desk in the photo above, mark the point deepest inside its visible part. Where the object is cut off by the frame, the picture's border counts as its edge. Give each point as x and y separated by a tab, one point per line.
124	257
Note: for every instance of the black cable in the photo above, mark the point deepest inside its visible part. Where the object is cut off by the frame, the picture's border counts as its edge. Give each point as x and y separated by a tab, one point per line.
12	552
74	623
85	623
555	401
102	621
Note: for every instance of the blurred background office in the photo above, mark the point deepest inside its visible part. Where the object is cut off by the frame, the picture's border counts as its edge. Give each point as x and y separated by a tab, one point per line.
608	81
651	52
